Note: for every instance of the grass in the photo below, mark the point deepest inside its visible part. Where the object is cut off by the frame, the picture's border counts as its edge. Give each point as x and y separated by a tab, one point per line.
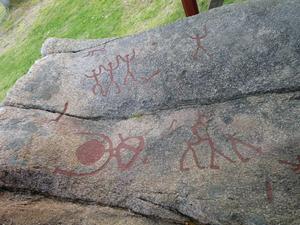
2	13
79	19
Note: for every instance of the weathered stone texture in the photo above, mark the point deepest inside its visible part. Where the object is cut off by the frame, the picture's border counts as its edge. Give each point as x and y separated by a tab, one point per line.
197	122
25	208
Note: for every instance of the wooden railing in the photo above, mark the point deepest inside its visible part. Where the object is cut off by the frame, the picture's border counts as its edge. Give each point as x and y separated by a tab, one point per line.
191	6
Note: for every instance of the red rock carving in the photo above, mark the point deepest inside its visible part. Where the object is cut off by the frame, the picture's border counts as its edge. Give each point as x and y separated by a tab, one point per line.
110	71
151	77
93	150
92	52
294	166
97	76
198	139
61	115
198	39
90	152
127	60
269	190
173	125
99	73
234	141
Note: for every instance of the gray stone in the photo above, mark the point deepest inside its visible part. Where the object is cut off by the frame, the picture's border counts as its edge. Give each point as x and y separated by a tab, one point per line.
245	172
215	3
31	209
207	139
64	45
249	49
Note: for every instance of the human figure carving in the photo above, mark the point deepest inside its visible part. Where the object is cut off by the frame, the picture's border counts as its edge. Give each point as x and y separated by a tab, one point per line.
294	166
110	71
97	77
92	52
127	60
198	39
204	137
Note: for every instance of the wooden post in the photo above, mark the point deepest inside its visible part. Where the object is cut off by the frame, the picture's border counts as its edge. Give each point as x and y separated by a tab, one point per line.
190	7
215	3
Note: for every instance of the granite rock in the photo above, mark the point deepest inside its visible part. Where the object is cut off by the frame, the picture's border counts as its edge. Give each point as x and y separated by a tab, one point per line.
225	163
197	122
65	45
228	53
27	208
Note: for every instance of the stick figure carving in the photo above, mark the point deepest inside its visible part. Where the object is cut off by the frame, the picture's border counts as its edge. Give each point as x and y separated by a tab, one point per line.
294	166
198	39
99	73
127	60
92	52
201	126
97	77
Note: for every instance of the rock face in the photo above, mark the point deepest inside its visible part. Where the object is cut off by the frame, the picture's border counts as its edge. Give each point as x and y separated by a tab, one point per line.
36	210
56	45
193	123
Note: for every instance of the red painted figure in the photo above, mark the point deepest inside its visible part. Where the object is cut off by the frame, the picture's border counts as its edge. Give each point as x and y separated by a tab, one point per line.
201	125
173	125
97	77
63	113
294	166
151	77
269	190
198	39
92	52
234	141
109	70
127	60
93	151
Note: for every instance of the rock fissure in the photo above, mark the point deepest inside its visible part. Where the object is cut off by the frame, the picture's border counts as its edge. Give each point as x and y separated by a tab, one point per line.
178	106
67	46
96	46
171	209
194	122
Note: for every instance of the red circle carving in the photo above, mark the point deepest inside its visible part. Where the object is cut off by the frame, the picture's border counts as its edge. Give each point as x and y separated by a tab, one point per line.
90	152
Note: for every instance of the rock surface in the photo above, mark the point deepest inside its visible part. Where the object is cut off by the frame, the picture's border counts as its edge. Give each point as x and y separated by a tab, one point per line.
248	49
35	210
194	123
63	45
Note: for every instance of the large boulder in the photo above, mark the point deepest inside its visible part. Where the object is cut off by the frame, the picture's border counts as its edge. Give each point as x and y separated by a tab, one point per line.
197	122
25	208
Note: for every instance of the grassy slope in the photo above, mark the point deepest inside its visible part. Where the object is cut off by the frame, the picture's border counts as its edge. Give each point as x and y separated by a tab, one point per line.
2	12
80	19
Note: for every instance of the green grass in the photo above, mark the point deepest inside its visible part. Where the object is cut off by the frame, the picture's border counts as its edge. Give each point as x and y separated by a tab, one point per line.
2	13
80	19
